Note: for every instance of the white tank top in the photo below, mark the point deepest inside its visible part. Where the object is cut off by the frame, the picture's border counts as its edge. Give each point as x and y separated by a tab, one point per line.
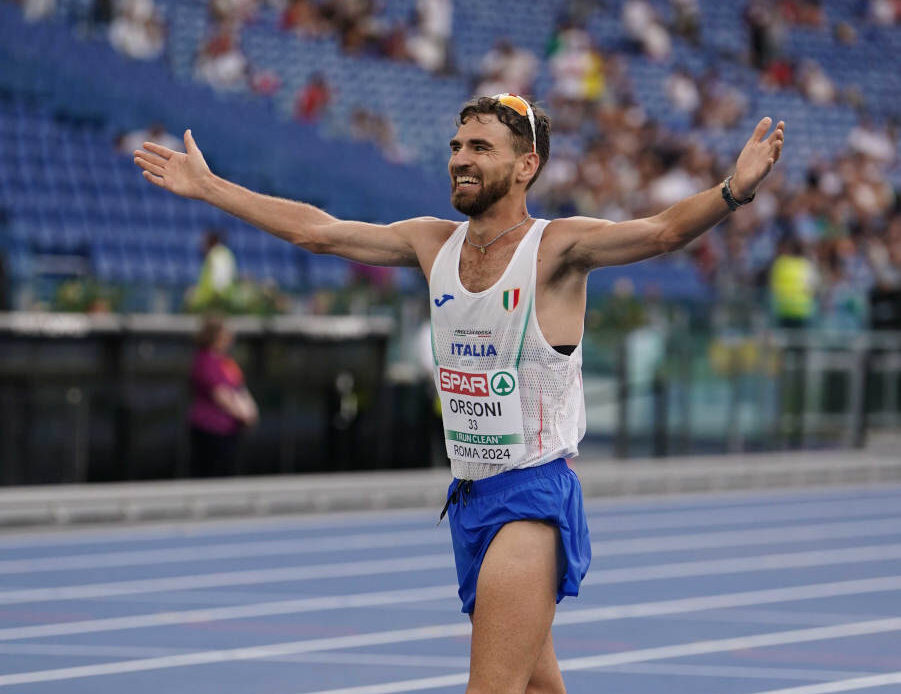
488	348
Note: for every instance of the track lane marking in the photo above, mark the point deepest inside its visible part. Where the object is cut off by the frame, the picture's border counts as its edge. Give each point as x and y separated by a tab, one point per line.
661	543
772	562
569	617
644	655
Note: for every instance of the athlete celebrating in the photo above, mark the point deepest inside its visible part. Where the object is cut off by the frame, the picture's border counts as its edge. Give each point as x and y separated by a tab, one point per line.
508	304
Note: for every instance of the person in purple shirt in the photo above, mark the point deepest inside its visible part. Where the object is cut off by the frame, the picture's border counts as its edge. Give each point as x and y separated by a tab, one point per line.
222	407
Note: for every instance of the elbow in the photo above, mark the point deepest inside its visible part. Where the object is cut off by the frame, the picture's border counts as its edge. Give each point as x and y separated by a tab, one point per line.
314	241
666	240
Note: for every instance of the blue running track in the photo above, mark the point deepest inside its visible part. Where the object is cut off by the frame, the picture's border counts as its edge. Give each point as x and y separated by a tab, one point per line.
789	592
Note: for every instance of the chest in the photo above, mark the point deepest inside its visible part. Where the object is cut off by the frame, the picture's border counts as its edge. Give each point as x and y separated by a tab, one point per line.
479	271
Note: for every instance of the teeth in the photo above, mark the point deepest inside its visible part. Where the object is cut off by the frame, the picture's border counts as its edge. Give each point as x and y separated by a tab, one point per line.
467	179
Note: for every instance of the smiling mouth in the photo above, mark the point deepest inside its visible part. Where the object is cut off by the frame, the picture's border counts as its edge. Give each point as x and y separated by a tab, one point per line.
466	182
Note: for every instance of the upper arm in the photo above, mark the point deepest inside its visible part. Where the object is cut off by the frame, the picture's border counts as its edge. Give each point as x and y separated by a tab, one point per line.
399	243
591	243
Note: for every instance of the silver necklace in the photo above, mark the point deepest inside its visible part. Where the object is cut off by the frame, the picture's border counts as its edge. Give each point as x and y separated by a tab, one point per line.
505	231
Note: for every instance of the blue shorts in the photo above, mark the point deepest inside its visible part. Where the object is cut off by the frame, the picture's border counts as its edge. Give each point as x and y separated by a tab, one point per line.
549	492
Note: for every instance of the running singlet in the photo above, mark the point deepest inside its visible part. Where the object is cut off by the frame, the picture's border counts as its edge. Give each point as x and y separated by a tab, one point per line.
508	399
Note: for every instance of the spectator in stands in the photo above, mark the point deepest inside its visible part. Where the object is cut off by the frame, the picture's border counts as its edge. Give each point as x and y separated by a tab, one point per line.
793	285
687	22
239	11
304	18
843	301
126	143
722	105
884	255
220	61
766	31
429	41
645	29
577	67
682	91
506	68
871	140
815	84
369	126
99	17
217	275
884	12
312	99
222	406
137	30
37	10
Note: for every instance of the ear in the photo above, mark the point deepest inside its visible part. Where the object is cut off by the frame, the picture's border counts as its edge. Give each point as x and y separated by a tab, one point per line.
527	166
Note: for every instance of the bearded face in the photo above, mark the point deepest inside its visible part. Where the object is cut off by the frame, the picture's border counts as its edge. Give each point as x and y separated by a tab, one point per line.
473	192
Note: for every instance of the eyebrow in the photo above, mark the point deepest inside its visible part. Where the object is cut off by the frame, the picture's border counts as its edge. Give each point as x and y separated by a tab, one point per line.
473	141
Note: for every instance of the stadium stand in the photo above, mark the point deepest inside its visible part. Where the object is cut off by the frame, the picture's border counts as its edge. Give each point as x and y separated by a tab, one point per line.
68	194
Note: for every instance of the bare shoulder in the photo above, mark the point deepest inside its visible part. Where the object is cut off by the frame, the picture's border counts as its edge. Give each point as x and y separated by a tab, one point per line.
567	226
426	235
561	235
425	226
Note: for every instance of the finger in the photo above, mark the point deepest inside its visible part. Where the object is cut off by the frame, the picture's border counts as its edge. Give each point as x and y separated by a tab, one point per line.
190	145
164	152
778	133
761	129
155	180
155	169
150	158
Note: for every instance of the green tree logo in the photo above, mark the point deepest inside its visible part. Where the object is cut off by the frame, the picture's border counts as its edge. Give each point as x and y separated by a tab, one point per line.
503	383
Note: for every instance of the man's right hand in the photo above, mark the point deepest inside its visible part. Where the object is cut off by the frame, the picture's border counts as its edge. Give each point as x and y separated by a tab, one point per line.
183	174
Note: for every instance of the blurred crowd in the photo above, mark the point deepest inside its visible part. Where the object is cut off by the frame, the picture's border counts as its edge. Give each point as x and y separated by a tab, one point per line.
839	229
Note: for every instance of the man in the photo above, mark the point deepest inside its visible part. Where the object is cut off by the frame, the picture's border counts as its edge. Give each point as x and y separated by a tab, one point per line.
508	302
217	275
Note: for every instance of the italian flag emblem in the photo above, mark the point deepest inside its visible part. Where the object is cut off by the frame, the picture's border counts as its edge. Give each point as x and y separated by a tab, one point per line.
511	299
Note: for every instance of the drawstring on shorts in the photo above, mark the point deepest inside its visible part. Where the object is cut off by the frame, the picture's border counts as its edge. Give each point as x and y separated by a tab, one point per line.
462	490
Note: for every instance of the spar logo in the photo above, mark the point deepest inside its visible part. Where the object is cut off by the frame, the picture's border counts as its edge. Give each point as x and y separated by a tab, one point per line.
463	383
503	383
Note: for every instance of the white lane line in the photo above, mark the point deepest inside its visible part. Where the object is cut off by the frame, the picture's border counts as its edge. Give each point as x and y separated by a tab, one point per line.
766	562
768	536
718	671
393	539
439	631
216	614
755	515
232	550
230	578
772	562
733	671
363	541
69	650
851	685
643	655
661	543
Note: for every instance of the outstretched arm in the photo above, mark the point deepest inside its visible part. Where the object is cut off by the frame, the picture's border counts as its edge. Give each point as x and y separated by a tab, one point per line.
188	175
592	243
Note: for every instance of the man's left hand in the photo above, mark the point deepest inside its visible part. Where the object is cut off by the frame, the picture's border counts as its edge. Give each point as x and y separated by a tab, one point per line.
757	159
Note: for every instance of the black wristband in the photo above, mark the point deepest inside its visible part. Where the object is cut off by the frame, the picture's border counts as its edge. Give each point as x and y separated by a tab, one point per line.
726	191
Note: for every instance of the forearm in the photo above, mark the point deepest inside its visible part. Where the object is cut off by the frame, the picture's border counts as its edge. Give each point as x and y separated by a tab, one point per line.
295	222
689	218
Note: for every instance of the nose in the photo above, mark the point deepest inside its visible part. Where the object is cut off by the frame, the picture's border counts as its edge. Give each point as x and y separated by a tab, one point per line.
459	159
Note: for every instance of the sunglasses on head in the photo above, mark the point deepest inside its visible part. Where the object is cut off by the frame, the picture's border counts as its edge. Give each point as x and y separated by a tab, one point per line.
522	107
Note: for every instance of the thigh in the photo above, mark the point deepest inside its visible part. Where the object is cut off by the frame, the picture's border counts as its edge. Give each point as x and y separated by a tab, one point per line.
515	603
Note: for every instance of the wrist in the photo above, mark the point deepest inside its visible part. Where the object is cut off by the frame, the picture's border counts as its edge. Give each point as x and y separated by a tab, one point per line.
732	199
740	192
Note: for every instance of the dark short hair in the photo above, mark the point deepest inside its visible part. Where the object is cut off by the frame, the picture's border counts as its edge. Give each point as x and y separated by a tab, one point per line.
519	127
